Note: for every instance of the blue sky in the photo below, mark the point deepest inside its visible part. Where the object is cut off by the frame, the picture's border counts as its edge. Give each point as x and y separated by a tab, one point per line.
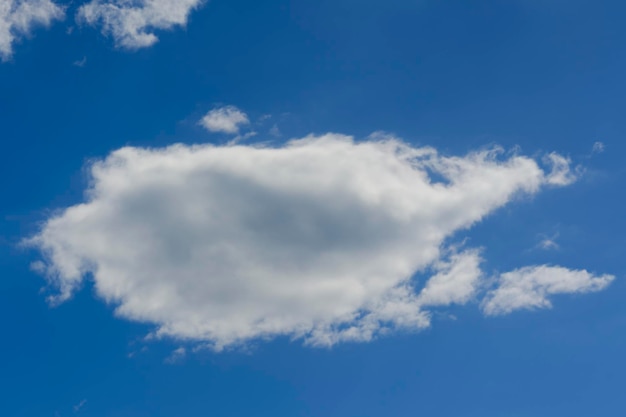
336	280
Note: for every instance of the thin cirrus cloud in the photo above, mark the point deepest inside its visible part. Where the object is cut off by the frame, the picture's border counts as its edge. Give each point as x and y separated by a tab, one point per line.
19	17
132	24
320	239
598	147
227	119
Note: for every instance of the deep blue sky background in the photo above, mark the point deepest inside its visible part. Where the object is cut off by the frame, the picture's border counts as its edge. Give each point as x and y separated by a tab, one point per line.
544	75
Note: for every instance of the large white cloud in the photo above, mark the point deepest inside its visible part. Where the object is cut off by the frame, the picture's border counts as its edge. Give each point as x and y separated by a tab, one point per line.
529	287
132	23
18	17
318	239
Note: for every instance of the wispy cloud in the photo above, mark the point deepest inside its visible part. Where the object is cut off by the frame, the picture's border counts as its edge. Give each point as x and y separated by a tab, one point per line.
176	356
81	62
19	17
598	147
275	131
549	242
132	24
561	173
530	287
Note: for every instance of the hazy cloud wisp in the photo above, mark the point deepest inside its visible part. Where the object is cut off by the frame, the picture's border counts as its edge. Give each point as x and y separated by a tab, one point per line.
19	17
132	24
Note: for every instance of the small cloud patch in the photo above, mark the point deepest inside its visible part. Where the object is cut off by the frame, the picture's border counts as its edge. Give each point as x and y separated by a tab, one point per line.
228	119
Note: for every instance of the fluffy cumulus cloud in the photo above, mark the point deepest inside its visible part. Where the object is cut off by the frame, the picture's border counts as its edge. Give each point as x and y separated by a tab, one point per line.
455	282
321	239
132	23
529	287
228	119
18	17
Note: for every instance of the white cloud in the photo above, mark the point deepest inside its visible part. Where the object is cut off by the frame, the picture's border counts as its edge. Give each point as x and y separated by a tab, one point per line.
18	17
561	172
318	239
598	147
80	406
226	119
530	287
455	282
549	242
132	23
176	356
